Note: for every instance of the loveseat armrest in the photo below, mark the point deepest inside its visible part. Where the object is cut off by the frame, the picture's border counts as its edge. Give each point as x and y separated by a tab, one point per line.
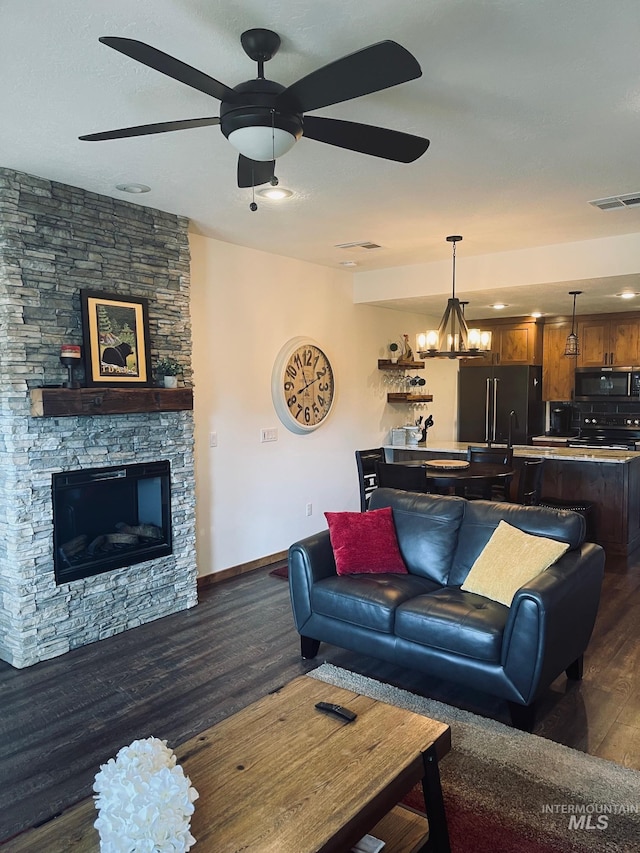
310	560
551	620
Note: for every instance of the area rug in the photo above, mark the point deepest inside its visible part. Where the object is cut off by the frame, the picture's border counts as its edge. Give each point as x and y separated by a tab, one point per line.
281	572
507	791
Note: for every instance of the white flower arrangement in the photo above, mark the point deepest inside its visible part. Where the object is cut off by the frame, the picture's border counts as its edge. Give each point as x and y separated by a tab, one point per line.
144	801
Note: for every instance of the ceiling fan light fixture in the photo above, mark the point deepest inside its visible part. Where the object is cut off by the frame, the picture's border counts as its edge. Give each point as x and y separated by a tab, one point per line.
262	119
453	338
262	143
274	193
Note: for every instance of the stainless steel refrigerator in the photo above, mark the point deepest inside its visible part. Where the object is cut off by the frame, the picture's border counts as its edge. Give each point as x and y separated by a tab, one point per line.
501	404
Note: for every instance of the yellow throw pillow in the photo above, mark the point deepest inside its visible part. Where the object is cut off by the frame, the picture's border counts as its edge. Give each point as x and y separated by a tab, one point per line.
510	559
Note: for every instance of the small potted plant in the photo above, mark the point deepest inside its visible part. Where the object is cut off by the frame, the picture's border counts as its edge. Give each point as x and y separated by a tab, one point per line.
169	368
394	348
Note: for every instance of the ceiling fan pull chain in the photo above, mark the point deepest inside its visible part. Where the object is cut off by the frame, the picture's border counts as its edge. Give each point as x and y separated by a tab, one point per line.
253	206
274	181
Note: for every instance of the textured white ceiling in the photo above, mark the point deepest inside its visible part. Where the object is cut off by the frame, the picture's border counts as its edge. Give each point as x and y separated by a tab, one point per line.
599	296
532	108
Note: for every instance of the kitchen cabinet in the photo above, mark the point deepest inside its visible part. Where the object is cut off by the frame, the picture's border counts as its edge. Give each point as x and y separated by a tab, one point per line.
613	488
609	340
557	370
513	341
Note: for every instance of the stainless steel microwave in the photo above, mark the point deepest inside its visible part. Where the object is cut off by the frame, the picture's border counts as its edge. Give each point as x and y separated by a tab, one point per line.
607	383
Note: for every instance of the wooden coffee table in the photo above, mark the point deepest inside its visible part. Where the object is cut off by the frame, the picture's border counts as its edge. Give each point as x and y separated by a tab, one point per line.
282	777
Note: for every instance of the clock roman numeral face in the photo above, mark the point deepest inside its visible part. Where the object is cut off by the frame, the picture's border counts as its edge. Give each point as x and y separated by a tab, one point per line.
308	385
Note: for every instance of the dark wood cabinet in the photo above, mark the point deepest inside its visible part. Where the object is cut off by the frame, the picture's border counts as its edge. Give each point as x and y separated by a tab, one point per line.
613	487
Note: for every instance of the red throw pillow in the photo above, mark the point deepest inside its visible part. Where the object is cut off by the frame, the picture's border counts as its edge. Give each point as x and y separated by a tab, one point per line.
365	542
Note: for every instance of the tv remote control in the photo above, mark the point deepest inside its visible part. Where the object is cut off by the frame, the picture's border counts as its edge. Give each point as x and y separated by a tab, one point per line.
339	711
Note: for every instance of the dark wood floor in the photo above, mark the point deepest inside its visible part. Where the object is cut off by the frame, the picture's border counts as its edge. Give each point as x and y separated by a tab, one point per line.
59	720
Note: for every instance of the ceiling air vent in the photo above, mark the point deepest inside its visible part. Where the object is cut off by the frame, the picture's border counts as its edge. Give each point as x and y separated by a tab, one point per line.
616	201
361	244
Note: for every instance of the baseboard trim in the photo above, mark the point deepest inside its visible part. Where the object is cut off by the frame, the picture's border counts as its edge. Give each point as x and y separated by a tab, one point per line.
205	581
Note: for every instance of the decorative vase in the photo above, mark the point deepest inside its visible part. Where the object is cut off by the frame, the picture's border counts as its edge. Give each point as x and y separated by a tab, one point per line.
170	381
144	801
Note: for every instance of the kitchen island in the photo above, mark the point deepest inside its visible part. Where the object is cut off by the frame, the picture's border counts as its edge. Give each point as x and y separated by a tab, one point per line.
610	479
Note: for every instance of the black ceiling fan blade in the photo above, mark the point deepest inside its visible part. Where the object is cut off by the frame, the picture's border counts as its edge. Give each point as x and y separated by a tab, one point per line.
144	129
166	64
252	173
365	138
371	69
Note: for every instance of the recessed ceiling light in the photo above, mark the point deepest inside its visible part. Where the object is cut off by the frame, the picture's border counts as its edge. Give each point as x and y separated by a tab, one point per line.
348	264
627	294
536	314
133	188
499	305
274	193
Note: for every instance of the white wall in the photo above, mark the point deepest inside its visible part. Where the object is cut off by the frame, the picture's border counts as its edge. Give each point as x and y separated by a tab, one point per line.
563	262
245	306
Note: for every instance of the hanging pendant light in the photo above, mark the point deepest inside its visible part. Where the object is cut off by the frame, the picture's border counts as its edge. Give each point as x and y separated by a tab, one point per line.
453	338
572	346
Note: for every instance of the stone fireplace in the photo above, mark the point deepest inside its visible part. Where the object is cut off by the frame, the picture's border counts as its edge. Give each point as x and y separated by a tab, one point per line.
54	241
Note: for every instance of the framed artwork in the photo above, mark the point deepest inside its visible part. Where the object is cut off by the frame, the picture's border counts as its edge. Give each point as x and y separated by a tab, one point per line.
115	331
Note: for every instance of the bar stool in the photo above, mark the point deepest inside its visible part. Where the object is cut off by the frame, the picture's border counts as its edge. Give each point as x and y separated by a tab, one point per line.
498	455
367	475
411	478
530	482
585	508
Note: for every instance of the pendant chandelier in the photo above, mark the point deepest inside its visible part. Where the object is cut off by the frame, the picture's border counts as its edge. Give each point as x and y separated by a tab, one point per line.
572	346
453	338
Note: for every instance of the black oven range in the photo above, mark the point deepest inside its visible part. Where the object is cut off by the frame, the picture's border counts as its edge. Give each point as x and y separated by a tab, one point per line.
607	430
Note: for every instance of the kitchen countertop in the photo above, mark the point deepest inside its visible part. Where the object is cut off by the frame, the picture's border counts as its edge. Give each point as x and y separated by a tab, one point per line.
560	440
577	454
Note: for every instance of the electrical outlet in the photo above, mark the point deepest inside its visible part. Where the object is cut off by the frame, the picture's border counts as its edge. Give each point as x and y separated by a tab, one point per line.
309	509
268	435
213	439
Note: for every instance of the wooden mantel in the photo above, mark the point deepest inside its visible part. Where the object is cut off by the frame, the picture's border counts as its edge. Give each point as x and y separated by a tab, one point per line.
64	402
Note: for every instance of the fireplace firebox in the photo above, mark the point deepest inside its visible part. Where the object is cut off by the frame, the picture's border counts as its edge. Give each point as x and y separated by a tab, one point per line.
106	518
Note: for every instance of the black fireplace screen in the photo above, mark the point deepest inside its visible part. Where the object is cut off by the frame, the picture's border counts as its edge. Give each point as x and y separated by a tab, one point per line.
106	518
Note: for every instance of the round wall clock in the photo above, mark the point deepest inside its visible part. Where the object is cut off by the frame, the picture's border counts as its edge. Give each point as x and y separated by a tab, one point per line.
302	385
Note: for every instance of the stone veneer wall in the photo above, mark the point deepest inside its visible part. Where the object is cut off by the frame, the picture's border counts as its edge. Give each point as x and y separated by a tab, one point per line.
54	241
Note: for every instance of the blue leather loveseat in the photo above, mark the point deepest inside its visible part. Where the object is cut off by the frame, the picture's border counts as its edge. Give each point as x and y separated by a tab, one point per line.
425	621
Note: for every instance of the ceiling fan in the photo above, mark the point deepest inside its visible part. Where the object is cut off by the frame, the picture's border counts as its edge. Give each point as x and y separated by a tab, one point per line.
263	119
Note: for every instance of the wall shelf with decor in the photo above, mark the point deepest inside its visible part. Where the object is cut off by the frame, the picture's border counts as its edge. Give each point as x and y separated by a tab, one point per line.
67	402
404	366
387	364
401	397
